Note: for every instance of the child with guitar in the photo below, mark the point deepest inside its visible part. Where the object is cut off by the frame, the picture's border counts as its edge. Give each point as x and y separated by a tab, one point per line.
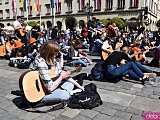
60	88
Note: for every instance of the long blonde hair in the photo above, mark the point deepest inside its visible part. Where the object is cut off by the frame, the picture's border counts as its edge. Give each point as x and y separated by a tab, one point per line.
48	52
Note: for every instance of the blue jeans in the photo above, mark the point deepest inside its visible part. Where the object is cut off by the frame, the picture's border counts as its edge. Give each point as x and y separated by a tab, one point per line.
59	94
83	62
130	68
142	68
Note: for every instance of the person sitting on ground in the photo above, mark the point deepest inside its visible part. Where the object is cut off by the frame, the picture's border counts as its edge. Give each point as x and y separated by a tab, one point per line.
32	49
60	88
115	69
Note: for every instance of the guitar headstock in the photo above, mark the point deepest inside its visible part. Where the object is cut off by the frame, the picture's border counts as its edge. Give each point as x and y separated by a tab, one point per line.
78	68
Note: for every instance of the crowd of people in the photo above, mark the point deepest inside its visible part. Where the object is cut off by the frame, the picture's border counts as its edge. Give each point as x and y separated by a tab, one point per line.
123	53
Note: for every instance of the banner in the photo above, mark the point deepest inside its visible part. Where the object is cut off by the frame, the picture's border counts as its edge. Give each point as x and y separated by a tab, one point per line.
37	5
52	3
14	7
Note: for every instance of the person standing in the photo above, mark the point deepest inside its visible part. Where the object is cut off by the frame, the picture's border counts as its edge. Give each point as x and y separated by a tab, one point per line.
91	27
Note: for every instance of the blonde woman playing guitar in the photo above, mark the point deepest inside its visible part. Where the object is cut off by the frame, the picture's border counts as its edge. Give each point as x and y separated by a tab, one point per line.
60	88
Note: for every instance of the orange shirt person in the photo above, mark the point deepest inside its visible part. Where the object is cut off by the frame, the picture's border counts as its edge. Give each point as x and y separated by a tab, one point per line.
112	30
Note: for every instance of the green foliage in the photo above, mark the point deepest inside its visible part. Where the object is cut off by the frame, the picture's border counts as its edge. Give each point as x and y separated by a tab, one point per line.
158	23
120	23
104	22
32	23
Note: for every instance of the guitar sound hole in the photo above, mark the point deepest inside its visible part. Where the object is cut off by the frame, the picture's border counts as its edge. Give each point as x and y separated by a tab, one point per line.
37	85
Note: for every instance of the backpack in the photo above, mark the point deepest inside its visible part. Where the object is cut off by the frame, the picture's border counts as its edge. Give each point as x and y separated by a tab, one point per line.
87	99
96	71
155	61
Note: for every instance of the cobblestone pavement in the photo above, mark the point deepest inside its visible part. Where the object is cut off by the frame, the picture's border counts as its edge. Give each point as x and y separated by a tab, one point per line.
125	100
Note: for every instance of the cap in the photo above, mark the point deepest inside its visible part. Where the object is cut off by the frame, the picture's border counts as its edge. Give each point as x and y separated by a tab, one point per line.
32	40
18	44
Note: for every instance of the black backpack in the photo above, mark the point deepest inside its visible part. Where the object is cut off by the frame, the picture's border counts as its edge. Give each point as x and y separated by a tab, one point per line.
87	99
97	71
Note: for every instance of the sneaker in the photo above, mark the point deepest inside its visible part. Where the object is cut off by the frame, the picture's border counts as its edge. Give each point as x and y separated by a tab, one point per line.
147	81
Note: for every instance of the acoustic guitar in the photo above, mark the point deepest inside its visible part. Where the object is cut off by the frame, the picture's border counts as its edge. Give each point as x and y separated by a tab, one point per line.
2	50
32	86
105	54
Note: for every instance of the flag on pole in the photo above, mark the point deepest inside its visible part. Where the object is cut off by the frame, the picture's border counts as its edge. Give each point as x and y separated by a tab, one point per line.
134	3
37	5
52	3
81	5
97	4
29	7
58	7
24	5
14	7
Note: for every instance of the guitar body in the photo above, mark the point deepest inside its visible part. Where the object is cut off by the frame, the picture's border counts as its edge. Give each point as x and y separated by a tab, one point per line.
21	31
2	50
104	55
32	86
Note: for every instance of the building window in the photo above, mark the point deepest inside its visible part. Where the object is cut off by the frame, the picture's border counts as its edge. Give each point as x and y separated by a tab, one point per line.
7	13
6	1
1	14
81	5
109	4
30	10
0	2
58	7
48	9
133	3
22	11
97	5
121	4
69	5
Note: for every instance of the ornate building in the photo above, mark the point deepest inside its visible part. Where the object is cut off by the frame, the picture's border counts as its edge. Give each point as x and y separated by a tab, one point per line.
69	12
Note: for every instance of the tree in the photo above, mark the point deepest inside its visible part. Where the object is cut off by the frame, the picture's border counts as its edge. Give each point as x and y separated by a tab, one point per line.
105	22
158	23
120	23
32	23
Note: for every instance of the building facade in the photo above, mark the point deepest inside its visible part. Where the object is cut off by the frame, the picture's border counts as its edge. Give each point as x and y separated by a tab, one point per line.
69	12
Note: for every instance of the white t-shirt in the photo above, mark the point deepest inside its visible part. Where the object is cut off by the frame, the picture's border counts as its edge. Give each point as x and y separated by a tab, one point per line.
17	24
106	45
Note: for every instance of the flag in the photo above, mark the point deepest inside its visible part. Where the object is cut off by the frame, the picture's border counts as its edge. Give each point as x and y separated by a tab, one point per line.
29	7
134	3
97	4
14	7
24	5
52	3
58	7
37	5
81	5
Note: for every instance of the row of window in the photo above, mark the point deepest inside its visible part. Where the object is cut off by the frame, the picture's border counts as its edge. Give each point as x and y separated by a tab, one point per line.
81	6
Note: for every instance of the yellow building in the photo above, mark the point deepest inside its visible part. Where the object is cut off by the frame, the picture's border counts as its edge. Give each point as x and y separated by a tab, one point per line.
69	12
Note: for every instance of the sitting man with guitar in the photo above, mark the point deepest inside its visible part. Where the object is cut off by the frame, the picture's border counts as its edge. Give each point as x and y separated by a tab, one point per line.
19	29
58	89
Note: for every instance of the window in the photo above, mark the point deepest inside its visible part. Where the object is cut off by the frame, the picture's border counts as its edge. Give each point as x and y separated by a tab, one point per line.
6	1
81	5
109	4
30	10
48	9
58	7
97	5
133	3
121	4
1	14
7	13
0	2
22	11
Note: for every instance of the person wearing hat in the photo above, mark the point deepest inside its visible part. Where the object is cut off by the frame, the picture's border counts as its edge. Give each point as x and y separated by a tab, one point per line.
32	49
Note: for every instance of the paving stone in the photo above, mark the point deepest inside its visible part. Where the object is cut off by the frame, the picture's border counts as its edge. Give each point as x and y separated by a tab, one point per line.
136	117
109	88
61	117
116	97
69	113
29	116
89	113
102	117
138	86
130	92
80	117
109	111
119	107
134	111
156	92
147	104
116	118
9	117
119	90
143	94
45	116
124	115
136	89
154	97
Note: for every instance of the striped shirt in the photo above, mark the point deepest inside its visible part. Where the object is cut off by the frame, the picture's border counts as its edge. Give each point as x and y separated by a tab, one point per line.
40	65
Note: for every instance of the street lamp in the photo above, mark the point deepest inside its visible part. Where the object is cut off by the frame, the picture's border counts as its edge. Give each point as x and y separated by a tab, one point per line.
88	9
